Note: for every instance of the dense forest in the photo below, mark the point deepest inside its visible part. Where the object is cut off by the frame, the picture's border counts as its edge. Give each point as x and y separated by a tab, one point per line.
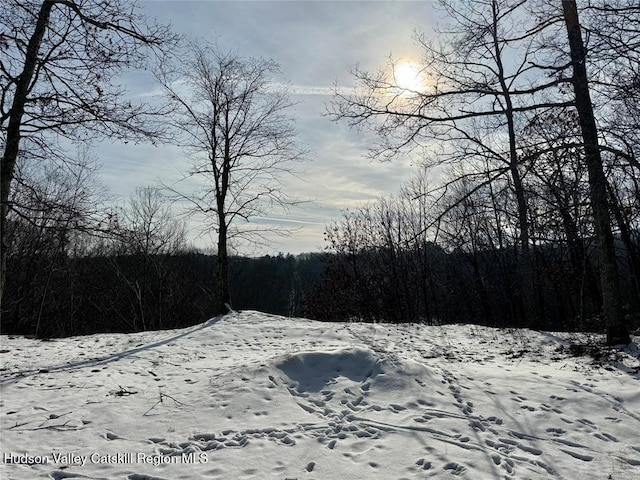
60	295
385	268
361	278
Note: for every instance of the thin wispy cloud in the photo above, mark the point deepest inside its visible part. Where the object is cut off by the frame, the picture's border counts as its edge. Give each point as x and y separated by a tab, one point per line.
277	220
326	91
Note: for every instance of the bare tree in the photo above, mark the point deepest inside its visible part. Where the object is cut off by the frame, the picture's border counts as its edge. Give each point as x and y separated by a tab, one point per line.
148	231
559	186
617	331
58	61
232	119
148	225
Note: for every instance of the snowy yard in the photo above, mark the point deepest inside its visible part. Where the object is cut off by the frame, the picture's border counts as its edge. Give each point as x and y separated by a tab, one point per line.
253	396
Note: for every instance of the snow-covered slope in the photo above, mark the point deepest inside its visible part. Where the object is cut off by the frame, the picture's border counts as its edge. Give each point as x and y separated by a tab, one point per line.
258	397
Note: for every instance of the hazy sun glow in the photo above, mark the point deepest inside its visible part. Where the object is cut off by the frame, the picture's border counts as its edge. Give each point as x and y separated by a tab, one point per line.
409	77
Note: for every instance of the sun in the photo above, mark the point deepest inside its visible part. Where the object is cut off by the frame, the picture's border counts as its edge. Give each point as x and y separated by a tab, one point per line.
408	77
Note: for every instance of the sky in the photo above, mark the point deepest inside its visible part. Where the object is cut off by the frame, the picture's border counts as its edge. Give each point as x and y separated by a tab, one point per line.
316	43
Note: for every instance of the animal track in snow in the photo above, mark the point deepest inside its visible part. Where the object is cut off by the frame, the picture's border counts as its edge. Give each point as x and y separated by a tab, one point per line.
579	456
454	468
422	463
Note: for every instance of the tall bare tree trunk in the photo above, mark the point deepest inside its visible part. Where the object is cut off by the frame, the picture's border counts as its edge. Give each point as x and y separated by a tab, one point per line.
12	146
617	331
532	316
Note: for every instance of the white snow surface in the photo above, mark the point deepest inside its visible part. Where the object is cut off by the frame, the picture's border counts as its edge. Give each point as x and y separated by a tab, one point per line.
256	396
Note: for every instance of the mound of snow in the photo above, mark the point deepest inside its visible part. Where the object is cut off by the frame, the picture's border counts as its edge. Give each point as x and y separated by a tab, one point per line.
313	371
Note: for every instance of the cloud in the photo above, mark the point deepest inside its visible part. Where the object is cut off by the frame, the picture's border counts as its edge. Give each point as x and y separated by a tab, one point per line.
326	91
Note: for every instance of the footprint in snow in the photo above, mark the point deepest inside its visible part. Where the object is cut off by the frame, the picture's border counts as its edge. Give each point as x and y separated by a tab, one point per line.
579	456
529	449
139	476
454	468
395	408
605	437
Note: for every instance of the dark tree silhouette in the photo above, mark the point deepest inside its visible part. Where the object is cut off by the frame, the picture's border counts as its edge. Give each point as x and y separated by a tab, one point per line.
617	331
233	120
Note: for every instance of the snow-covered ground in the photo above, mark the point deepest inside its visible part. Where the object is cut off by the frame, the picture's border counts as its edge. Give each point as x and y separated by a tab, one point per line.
256	396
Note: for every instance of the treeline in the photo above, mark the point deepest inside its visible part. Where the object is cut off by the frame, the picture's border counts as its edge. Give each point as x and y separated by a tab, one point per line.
388	261
409	259
61	295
